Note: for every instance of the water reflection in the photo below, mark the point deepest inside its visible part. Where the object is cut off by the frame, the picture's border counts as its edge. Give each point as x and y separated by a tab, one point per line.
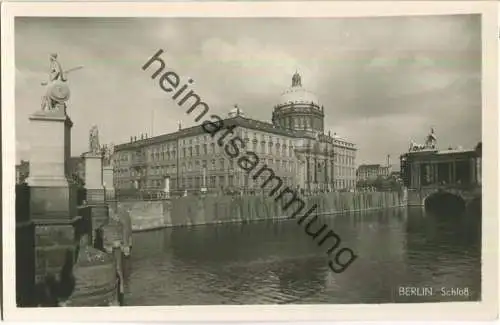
275	262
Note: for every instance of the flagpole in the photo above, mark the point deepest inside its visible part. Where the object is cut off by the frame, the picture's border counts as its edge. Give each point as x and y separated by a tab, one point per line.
153	123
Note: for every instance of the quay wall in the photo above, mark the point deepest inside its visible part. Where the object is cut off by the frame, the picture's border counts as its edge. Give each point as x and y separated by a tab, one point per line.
189	211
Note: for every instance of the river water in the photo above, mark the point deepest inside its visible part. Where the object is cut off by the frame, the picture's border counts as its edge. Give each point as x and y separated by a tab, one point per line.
278	263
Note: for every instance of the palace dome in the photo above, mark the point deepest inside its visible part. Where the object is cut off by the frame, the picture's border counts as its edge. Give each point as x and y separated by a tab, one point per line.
297	94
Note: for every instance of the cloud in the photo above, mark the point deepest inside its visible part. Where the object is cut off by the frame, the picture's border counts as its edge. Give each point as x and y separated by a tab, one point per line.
382	81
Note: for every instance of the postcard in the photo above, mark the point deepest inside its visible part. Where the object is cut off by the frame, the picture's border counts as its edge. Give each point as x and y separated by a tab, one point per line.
250	161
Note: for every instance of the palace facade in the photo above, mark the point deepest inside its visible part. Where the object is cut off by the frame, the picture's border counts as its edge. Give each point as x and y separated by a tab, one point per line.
295	146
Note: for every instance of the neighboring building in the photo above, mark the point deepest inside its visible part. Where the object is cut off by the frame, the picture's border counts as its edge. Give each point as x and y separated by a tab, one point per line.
77	169
294	146
22	171
426	166
395	175
370	172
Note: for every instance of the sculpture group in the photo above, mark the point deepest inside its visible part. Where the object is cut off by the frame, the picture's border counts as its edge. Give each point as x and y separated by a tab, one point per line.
105	151
430	143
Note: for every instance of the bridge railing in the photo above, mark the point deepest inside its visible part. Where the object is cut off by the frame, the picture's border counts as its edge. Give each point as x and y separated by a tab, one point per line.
450	187
143	195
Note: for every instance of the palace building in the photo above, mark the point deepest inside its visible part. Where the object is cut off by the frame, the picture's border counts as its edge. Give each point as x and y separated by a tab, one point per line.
294	146
425	166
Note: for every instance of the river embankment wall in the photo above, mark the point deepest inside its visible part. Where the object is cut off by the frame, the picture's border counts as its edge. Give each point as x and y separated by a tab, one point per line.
189	211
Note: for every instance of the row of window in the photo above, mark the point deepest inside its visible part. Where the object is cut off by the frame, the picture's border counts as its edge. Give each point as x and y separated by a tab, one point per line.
213	149
200	165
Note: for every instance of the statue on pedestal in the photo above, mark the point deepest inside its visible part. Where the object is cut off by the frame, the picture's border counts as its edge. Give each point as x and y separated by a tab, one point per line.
57	91
94	147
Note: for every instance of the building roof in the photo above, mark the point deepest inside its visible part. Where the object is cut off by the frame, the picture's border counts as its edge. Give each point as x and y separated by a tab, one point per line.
241	121
367	166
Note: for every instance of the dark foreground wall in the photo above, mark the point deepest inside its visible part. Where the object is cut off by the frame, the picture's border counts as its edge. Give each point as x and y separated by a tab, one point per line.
187	211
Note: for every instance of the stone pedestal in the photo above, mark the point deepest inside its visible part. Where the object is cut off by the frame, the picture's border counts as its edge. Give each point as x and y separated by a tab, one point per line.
108	182
95	189
94	178
53	198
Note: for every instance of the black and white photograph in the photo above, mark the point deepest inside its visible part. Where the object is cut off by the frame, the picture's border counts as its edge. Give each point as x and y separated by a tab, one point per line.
236	159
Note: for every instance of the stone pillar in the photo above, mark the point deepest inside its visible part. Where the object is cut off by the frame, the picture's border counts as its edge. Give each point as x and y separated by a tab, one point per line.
94	177
95	189
53	198
167	187
108	180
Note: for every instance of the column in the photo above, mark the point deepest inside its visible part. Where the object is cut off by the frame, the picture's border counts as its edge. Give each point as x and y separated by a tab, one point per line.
479	170
416	175
167	187
436	173
315	171
308	176
454	173
450	173
473	179
108	177
332	177
95	188
325	185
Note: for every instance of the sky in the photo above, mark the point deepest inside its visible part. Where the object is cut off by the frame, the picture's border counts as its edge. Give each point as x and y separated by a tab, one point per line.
382	81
